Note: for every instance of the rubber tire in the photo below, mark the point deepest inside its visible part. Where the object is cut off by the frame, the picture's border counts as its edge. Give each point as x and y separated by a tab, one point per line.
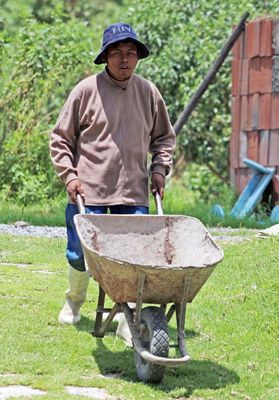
154	338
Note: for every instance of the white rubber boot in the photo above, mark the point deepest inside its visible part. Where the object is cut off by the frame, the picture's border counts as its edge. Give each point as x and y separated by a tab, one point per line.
75	296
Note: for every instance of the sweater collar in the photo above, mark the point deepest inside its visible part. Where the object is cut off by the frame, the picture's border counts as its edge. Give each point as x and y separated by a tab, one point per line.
123	85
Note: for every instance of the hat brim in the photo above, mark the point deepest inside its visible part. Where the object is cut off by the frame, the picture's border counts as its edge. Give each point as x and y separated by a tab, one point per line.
143	51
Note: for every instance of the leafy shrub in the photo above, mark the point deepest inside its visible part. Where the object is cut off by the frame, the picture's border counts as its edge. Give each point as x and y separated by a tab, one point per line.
185	38
43	56
207	186
45	49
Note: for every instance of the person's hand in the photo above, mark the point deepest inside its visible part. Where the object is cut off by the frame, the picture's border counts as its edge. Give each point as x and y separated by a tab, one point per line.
157	184
73	188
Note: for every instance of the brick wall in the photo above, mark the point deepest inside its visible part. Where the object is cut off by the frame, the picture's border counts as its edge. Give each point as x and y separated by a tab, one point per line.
255	101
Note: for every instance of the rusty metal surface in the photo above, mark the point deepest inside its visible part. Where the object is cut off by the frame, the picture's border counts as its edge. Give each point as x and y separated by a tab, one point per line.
167	249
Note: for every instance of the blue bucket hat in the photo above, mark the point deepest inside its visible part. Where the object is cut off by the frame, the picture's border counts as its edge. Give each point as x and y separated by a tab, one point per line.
118	33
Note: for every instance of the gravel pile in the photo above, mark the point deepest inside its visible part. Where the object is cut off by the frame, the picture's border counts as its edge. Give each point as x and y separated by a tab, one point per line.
21	229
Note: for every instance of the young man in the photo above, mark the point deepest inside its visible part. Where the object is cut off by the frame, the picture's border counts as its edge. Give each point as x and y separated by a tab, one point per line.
100	143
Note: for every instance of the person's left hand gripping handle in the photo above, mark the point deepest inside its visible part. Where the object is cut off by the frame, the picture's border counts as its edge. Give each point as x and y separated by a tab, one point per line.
73	188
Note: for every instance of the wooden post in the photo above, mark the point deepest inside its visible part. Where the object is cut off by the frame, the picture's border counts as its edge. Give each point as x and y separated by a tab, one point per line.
210	75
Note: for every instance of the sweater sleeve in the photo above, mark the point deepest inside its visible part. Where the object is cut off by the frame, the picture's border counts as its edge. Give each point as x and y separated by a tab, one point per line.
63	139
163	138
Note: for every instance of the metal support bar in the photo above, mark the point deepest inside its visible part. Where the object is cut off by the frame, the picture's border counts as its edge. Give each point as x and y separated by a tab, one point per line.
99	314
180	319
99	327
109	318
104	310
141	281
210	75
163	307
170	312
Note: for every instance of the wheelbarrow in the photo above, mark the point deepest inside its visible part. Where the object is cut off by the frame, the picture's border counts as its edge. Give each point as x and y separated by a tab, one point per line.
147	259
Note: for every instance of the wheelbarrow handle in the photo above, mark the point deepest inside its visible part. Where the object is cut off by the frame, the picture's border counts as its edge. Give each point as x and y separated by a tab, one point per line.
158	202
80	204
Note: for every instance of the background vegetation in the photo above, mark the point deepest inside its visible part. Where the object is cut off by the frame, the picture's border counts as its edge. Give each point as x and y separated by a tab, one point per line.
46	47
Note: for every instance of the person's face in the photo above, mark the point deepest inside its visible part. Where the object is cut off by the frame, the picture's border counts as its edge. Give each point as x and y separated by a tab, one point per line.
122	59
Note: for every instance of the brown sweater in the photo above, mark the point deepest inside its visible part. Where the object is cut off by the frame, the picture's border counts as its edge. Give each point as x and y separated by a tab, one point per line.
103	135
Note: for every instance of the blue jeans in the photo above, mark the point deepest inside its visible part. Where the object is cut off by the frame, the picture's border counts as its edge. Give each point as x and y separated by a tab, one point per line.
74	252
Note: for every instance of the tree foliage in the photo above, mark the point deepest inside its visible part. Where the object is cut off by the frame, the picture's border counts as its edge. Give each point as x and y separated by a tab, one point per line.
40	62
43	56
185	37
47	46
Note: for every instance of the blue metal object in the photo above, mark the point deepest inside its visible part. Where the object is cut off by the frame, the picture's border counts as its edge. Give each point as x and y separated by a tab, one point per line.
274	216
254	190
252	193
218	211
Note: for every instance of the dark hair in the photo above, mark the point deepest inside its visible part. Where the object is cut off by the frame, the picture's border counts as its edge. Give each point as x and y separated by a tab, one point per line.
113	45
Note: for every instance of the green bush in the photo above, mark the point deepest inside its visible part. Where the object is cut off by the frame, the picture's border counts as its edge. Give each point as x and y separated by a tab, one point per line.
43	57
185	37
46	47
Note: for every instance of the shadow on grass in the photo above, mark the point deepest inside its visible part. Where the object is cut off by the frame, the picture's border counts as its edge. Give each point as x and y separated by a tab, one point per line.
204	374
87	325
185	379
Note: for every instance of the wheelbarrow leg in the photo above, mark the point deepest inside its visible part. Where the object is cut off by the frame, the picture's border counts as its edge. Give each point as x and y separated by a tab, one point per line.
100	327
171	312
141	282
99	314
180	309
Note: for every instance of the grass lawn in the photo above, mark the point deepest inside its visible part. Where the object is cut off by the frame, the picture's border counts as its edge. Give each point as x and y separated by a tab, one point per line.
231	329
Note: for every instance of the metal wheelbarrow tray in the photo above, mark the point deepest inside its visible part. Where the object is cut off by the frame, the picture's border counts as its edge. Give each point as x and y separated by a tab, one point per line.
148	259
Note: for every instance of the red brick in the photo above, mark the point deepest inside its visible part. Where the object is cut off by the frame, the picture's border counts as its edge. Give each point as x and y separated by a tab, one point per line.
236	76
242	183
252	39
242	178
232	177
235	113
244	84
275	74
275	111
238	47
253	111
265	79
266	37
243	147
244	113
234	150
253	145
264	148
264	111
254	75
274	148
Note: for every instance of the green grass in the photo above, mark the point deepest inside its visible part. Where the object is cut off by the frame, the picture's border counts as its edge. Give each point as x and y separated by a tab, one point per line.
231	329
50	213
242	232
178	200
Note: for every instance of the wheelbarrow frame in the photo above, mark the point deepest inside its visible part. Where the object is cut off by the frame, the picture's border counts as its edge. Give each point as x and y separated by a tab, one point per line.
134	316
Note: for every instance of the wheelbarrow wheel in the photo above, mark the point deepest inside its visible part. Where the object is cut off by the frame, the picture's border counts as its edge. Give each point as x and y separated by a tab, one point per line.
155	339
